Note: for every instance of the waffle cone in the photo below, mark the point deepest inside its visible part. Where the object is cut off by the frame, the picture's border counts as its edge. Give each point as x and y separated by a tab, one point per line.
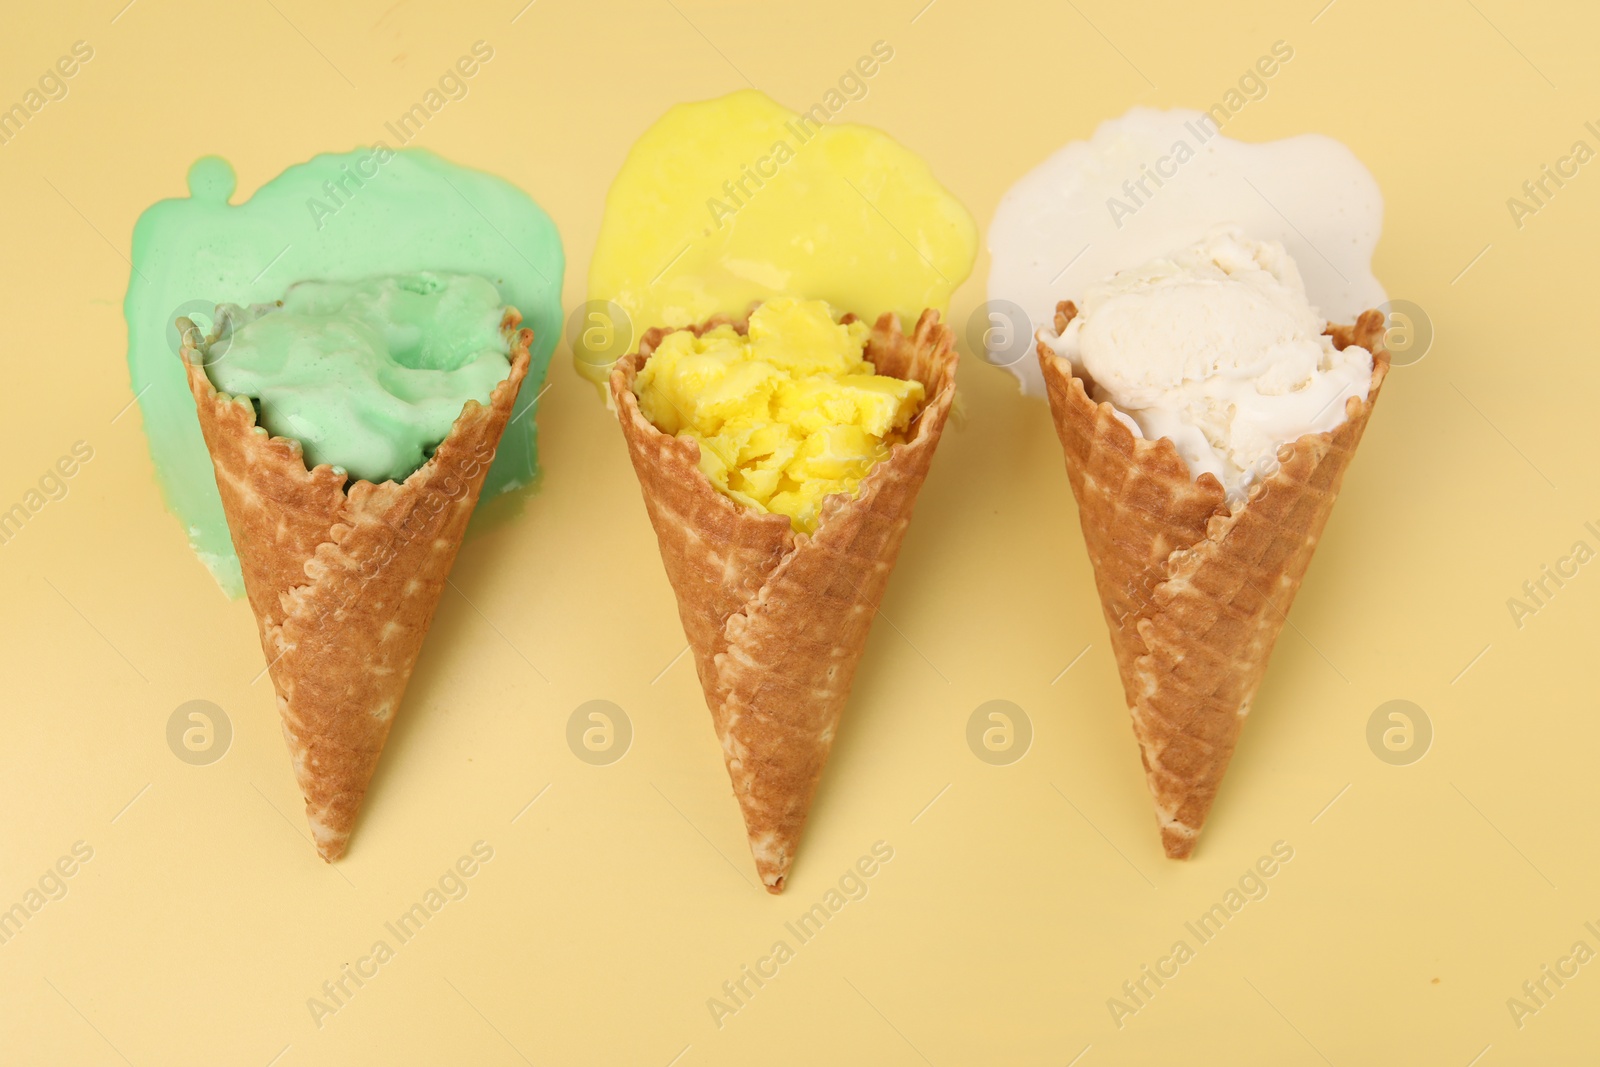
344	583
1194	595
777	620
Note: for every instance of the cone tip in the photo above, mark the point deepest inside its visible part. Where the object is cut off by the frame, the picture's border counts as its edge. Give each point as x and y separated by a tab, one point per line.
1178	846
332	847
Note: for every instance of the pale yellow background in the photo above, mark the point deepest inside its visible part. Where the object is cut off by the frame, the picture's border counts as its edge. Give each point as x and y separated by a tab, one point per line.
621	901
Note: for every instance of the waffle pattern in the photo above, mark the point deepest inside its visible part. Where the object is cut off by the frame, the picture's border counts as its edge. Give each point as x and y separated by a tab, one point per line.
1195	596
344	585
778	620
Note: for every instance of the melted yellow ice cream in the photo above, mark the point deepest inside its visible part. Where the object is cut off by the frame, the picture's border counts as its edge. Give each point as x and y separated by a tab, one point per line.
736	200
785	416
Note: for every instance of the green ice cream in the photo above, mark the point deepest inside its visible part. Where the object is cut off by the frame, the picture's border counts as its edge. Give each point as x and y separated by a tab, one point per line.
370	375
344	217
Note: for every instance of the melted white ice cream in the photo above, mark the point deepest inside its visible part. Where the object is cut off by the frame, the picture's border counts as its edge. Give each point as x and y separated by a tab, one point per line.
1153	181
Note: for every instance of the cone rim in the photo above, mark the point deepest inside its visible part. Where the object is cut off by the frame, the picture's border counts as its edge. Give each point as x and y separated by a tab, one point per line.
519	341
1161	451
626	369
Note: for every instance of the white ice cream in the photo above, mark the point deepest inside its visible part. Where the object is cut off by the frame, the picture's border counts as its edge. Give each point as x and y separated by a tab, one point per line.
1151	181
1217	348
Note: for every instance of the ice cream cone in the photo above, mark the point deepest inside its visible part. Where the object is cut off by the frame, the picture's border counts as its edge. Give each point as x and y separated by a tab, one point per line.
777	620
343	583
1195	595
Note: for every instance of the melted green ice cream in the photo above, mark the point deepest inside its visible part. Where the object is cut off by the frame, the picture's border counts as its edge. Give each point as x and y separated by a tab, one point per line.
338	217
370	375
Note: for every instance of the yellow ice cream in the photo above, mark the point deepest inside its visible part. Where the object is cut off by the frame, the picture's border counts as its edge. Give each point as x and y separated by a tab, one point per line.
785	416
732	201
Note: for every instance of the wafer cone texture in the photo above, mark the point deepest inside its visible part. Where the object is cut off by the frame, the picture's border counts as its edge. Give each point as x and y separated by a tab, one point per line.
344	583
1195	595
777	620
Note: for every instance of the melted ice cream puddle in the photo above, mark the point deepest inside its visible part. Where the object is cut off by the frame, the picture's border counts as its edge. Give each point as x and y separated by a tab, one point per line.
1154	181
728	202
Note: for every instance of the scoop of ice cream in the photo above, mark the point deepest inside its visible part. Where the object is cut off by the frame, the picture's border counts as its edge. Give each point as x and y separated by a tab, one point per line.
368	375
1216	348
786	415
